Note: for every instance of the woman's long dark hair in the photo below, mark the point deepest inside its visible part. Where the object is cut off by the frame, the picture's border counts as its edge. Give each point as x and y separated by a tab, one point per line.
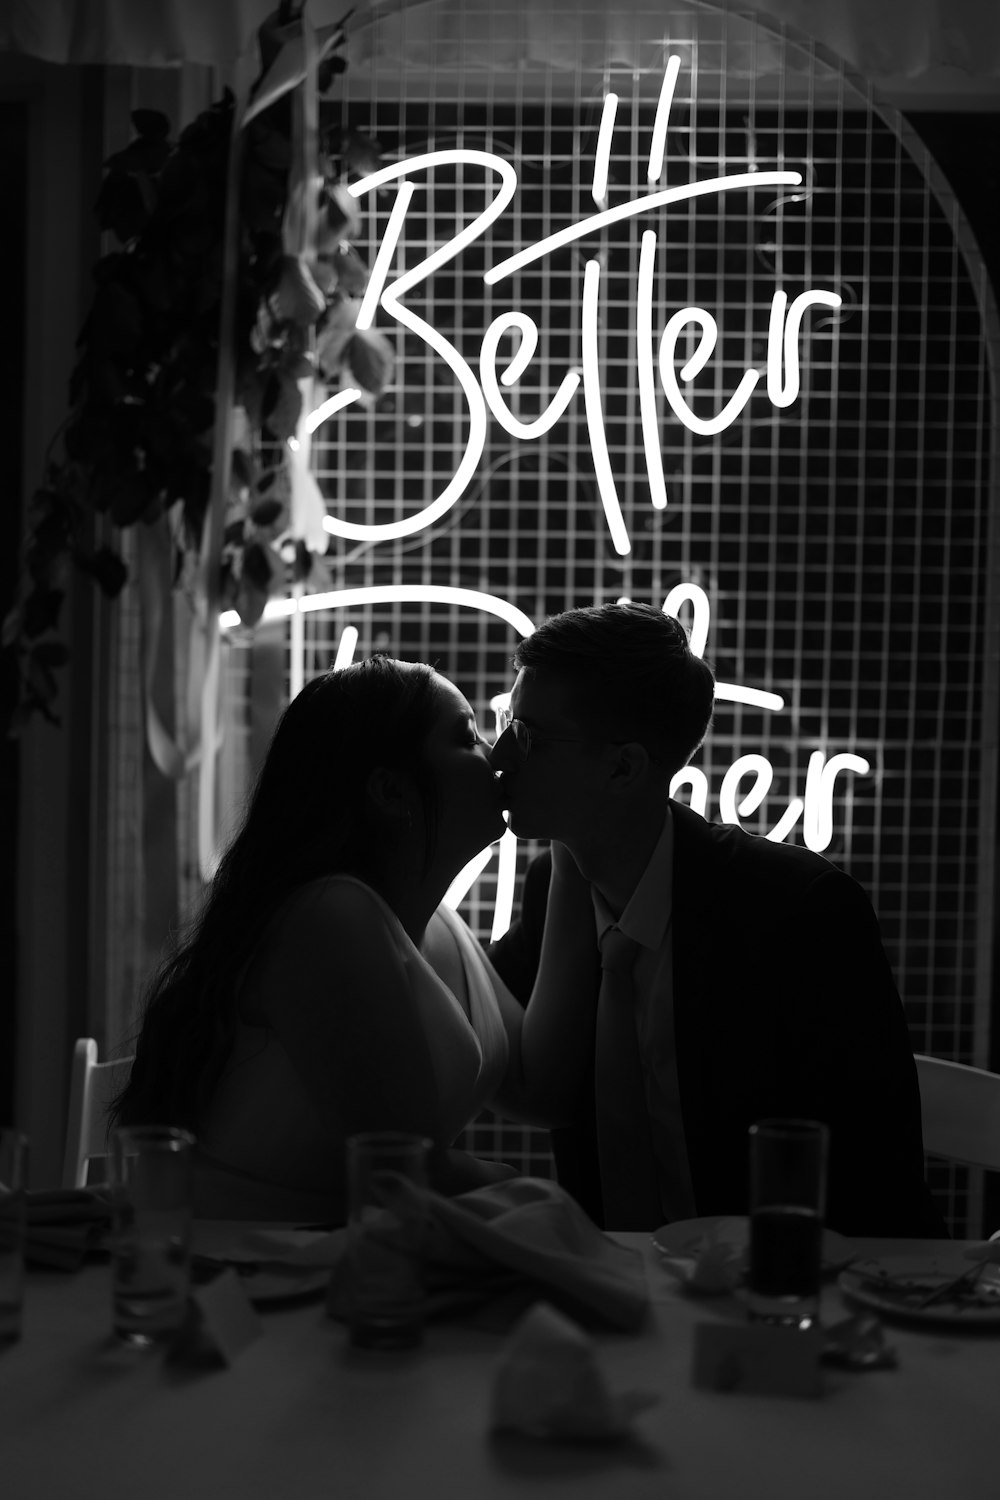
306	818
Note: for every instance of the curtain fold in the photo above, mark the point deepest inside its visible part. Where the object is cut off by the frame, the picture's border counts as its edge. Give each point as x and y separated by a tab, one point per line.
890	38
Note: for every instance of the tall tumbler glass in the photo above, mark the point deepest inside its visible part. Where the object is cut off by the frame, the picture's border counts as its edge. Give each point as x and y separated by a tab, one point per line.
13	1184
387	1215
151	1250
788	1163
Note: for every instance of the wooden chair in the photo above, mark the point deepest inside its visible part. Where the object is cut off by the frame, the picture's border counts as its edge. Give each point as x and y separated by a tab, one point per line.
960	1110
92	1086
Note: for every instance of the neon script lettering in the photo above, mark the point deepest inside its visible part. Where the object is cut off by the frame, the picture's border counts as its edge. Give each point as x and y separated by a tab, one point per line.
483	394
684	348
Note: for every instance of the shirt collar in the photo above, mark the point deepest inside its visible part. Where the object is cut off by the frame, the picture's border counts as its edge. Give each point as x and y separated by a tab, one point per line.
647	916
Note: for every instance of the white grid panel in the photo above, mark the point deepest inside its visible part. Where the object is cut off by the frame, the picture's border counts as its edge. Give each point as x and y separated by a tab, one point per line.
844	543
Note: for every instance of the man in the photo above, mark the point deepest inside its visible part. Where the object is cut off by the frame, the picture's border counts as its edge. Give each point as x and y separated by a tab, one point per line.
755	982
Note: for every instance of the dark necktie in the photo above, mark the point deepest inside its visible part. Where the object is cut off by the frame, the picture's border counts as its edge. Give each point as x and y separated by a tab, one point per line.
628	1168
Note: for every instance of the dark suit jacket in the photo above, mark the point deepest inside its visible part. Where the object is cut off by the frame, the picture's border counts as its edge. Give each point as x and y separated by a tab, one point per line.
784	1004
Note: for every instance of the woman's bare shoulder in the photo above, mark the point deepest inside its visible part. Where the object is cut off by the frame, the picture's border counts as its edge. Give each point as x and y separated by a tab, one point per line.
337	915
341	899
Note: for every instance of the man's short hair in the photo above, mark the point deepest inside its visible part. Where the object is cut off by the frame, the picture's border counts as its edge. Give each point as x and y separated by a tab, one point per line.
632	676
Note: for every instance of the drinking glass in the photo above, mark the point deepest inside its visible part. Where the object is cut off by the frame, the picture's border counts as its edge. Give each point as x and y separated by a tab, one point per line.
787	1202
387	1214
13	1182
151	1250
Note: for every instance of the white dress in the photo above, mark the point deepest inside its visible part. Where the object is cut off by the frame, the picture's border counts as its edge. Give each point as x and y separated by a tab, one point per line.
344	1026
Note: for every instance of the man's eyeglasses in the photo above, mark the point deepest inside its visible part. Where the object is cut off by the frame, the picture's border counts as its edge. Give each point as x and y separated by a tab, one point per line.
525	737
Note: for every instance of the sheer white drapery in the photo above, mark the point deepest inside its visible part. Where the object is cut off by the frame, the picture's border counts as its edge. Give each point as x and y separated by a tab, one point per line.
891	38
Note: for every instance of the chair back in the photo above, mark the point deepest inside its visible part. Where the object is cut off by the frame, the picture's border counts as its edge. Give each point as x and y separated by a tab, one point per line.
960	1111
92	1086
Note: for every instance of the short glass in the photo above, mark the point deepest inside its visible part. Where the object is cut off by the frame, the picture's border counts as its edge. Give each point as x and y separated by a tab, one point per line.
13	1185
387	1217
788	1165
151	1247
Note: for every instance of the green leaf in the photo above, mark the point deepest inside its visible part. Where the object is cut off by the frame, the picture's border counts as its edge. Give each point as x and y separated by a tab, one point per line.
266	512
129	498
328	70
257	567
343	216
282	406
52	653
153	283
118	321
42	609
334	335
242	469
324	274
150	122
147	154
251	602
352	273
298	366
270	147
121	207
107	568
297	298
370	358
360	153
302	566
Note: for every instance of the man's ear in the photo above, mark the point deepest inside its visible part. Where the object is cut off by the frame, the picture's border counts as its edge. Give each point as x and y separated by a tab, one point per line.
629	765
390	794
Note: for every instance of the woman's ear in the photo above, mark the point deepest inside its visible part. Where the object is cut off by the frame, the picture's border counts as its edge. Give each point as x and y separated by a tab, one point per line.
391	795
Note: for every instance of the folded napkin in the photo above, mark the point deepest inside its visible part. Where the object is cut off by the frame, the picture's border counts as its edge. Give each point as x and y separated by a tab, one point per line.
550	1384
64	1225
493	1252
714	1267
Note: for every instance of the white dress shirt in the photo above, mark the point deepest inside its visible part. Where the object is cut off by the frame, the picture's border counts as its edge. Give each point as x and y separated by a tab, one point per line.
647	921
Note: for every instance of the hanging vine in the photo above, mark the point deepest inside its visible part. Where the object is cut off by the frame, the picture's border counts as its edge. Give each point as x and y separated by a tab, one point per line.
137	443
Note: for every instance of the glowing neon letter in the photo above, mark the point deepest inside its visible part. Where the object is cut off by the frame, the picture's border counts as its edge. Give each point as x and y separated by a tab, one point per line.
705	427
696	779
644	363
817	827
729	810
390	300
595	413
601	156
488	375
783	347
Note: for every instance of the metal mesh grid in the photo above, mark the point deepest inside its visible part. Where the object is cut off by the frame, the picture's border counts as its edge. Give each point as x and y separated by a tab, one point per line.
844	543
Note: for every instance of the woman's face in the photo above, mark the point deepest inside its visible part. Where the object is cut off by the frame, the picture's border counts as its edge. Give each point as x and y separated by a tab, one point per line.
469	812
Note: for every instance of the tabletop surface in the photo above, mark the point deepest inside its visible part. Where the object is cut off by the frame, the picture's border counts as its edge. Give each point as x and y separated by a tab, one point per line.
299	1414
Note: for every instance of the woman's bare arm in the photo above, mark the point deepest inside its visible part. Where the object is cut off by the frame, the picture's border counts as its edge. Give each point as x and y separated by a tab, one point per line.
551	1042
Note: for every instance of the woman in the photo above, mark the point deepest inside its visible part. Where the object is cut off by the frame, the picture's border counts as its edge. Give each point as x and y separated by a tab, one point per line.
324	989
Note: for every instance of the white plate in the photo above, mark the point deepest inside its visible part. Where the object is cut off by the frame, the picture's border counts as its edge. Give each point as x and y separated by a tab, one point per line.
921	1276
255	1251
686	1237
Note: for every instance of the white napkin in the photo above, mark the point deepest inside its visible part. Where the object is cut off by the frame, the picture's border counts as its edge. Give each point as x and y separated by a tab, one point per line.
549	1384
713	1267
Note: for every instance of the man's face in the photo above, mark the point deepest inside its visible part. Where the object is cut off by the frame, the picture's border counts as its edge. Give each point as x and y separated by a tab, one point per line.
551	791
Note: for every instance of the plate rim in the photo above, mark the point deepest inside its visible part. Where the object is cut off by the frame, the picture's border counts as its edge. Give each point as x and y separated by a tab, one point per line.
940	1313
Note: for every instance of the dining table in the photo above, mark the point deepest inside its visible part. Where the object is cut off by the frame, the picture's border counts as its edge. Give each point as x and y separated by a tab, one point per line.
299	1413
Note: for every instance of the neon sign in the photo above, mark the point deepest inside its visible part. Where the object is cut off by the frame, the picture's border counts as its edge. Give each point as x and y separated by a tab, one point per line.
685	346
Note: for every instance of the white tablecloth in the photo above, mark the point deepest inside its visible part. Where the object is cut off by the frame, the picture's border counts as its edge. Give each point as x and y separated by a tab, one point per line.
299	1415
